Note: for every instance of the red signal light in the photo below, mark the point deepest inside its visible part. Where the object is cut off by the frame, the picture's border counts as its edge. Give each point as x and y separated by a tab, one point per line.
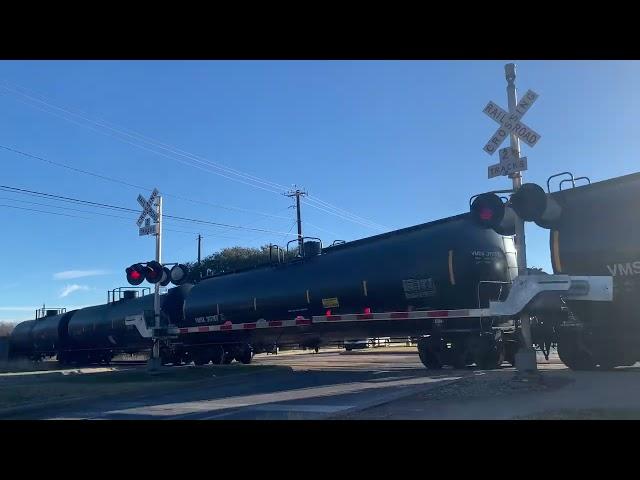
367	310
328	313
486	213
154	272
135	274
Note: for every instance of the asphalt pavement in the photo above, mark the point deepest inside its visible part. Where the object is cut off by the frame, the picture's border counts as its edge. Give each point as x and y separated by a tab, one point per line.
371	384
319	386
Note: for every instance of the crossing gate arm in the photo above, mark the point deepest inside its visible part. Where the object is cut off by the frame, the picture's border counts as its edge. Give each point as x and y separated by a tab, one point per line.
544	293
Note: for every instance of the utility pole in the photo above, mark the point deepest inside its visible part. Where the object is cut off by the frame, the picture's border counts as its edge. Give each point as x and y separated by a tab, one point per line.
199	241
298	193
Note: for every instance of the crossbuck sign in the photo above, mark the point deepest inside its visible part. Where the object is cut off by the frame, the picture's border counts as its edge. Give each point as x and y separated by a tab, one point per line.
148	210
510	123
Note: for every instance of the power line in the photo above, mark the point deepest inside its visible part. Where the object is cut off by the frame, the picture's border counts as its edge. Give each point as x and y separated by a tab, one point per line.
140	137
127	219
116	207
344	212
123	182
93	204
133	185
273	186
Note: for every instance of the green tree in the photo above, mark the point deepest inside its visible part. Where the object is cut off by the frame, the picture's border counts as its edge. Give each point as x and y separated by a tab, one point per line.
231	259
6	328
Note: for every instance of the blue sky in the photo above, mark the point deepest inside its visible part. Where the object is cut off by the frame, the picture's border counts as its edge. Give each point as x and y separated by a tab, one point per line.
396	143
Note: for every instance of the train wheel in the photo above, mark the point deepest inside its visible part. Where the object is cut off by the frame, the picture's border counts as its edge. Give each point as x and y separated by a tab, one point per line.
217	355
62	359
510	350
428	351
491	353
176	361
460	358
200	356
245	355
573	353
492	358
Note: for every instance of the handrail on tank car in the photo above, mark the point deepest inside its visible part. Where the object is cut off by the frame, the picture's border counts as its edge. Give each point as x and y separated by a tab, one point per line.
301	251
575	180
111	294
42	312
278	250
572	180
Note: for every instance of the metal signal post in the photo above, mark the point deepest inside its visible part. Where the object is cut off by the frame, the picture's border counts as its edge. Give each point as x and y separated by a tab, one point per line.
526	356
512	164
156	298
512	99
152	210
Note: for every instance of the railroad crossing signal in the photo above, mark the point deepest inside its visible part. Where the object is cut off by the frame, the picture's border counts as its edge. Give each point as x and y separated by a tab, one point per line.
510	123
156	273
530	203
148	210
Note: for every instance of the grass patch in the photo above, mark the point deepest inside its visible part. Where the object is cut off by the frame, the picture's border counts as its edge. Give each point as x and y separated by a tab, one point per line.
586	414
53	387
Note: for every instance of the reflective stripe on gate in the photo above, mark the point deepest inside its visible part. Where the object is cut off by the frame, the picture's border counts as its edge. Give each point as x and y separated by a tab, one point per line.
358	317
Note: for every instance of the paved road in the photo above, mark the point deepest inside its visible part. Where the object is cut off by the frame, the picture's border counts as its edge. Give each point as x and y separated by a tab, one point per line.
319	386
372	385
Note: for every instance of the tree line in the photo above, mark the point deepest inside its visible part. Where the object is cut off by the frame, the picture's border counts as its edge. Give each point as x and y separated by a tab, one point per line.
231	259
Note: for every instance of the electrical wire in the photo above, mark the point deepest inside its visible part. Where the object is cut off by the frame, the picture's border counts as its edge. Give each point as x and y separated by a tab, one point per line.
116	207
258	182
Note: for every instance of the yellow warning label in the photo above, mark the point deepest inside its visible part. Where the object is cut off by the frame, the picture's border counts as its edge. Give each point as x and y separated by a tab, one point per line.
330	302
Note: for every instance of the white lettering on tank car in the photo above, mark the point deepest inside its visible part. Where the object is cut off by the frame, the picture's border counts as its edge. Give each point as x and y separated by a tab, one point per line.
485	256
623	269
418	287
208	319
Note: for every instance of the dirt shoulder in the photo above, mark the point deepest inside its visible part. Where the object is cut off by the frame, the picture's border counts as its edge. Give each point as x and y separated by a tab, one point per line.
561	395
20	393
467	394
